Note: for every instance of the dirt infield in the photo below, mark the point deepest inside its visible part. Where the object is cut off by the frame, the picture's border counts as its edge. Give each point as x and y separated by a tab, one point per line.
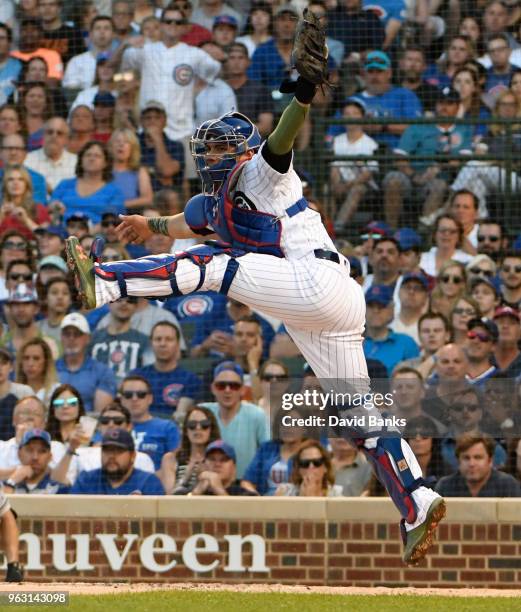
95	588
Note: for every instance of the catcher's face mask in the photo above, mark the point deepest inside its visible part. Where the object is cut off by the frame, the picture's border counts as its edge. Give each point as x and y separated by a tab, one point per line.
216	145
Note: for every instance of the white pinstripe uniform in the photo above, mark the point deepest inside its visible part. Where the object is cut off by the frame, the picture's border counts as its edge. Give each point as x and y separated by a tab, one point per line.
322	307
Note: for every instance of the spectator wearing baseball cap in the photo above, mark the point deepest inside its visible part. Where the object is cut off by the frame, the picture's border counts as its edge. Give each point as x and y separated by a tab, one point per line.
51	240
224	30
506	351
243	425
381	343
207	12
163	157
95	381
487	293
77	225
33	475
24	306
219	474
118	474
482	335
414	298
104	108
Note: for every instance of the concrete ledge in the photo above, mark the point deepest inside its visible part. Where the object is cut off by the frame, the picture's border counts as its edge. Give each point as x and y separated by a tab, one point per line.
358	509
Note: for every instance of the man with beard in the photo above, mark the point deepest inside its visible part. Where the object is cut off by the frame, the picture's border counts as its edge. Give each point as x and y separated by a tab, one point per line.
95	381
492	240
412	66
479	347
510	276
385	259
117	475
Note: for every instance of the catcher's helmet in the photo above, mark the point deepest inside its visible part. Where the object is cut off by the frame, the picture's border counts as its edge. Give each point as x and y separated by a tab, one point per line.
234	130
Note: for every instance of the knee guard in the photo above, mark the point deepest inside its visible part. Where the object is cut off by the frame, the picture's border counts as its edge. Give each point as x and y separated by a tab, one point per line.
397	469
163	267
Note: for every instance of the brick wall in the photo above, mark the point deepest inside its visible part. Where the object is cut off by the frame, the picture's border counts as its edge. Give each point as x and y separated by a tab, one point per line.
317	548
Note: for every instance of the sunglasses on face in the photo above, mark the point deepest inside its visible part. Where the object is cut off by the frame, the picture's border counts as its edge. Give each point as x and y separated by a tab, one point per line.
274	377
20	277
305	463
479	271
470	312
174	21
516	269
222	384
193	425
447	230
105	420
110	223
447	278
420	434
19	246
490	238
462	407
61	403
472	335
373	236
55	133
131	394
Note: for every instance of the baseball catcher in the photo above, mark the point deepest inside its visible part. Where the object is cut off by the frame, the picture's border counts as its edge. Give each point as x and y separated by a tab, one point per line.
273	254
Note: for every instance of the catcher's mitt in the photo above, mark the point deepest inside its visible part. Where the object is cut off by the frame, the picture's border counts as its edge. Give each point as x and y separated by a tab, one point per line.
310	50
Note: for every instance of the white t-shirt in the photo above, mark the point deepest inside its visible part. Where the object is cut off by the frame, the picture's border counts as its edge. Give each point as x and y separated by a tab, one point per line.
362	146
428	260
9	454
80	71
168	76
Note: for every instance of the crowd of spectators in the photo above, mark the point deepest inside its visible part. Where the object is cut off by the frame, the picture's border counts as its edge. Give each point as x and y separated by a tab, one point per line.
98	101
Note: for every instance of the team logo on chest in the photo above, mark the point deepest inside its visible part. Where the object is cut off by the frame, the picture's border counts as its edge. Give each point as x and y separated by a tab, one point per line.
240	200
183	74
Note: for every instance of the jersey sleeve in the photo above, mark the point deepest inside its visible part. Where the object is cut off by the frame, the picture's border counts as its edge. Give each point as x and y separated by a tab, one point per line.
207	68
133	58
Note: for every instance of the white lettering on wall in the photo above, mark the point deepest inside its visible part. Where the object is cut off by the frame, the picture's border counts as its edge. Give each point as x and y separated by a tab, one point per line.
59	559
258	549
191	549
110	549
148	550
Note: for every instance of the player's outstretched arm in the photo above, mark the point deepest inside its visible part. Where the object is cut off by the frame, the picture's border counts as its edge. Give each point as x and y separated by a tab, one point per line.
137	229
310	59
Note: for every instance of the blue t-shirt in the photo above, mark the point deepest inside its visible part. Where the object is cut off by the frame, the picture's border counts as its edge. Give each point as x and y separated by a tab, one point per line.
94	205
436	77
9	74
260	471
122	352
156	437
92	376
148	160
397	103
245	432
169	387
496	83
395	348
432	140
128	183
386	9
93	482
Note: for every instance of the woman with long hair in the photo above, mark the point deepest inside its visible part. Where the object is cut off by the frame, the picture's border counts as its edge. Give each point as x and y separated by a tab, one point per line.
447	237
470	27
274	381
424	439
258	28
270	466
92	191
18	210
35	367
129	175
466	82
459	50
65	409
10	120
312	474
82	126
200	428
36	108
103	81
450	284
58	299
464	309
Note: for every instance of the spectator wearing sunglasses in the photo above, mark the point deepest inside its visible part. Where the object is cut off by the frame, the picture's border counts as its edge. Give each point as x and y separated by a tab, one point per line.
242	424
480	266
65	409
152	435
53	161
465	309
477	476
84	458
312	474
481	337
273	379
95	381
506	352
487	294
491	238
423	437
200	429
450	284
510	277
466	415
464	206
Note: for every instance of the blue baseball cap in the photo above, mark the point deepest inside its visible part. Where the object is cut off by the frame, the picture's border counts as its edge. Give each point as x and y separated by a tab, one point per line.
54	230
487	324
417	277
407	239
228	366
376	227
35	434
104	98
222	446
377	60
118	437
225	20
493	283
379	294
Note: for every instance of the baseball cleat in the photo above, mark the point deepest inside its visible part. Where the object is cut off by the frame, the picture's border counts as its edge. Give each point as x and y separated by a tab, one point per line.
14	573
419	539
83	268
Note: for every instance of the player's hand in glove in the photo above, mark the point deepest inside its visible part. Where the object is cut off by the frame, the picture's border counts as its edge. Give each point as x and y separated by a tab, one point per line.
310	50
